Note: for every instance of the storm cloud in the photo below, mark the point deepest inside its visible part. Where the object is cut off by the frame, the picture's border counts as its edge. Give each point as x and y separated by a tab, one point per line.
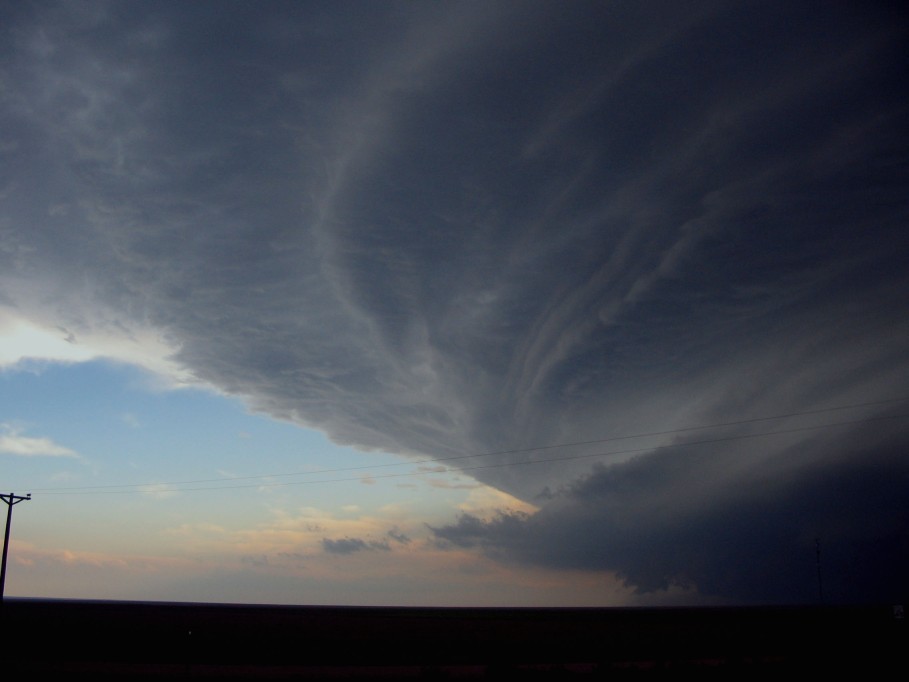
455	229
352	545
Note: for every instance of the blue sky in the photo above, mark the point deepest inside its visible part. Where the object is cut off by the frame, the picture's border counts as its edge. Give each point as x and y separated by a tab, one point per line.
153	474
569	303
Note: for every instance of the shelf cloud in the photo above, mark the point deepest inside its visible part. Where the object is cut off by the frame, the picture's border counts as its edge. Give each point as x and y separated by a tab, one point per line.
454	230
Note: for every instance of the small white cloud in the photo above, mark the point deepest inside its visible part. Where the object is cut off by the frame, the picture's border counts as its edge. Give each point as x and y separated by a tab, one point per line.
12	442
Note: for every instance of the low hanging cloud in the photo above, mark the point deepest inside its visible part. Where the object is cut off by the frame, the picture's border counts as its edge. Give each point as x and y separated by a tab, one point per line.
811	520
456	230
351	545
348	545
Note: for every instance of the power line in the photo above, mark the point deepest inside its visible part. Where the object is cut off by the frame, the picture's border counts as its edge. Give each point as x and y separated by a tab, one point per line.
171	487
450	458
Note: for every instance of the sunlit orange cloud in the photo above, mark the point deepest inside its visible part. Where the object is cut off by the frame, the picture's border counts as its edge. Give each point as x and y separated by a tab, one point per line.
313	532
32	558
68	574
288	564
398	555
486	502
312	555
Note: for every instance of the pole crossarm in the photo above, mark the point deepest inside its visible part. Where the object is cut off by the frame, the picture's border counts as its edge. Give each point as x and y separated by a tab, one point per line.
10	499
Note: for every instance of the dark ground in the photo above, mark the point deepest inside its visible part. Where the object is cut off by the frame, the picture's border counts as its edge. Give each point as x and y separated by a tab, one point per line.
78	640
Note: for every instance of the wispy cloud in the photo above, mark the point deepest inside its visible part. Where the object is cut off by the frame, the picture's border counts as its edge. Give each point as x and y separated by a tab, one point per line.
13	442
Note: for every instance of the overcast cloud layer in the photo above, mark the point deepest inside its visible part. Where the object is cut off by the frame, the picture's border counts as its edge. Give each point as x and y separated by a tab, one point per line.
441	229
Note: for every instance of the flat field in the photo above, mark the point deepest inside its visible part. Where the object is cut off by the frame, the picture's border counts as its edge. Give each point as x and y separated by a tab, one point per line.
123	640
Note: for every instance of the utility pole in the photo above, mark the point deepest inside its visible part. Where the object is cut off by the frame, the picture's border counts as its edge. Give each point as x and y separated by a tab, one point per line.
820	590
10	500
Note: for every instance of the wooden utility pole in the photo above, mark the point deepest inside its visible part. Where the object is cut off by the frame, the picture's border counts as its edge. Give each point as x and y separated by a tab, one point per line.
10	500
820	588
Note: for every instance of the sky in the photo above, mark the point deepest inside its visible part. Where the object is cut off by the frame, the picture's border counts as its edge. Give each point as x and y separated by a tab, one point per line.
455	303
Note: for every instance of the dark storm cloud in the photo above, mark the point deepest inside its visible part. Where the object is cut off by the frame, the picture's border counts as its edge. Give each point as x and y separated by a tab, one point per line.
351	545
662	521
396	535
440	229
